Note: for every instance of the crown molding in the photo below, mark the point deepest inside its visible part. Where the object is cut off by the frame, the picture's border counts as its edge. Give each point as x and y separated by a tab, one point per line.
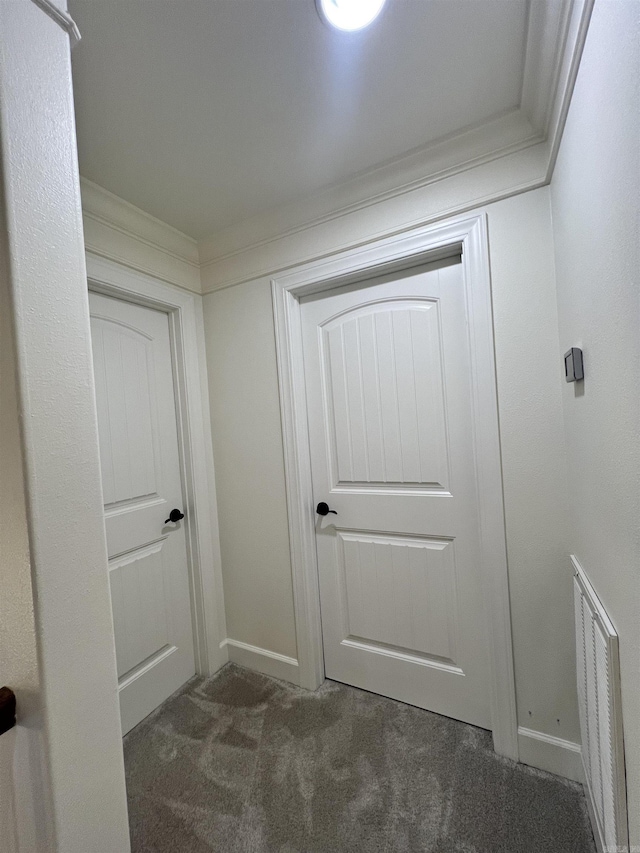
516	151
546	27
473	146
117	230
459	193
575	30
512	153
556	34
62	18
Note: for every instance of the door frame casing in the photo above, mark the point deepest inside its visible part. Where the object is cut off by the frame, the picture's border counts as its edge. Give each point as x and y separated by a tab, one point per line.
468	235
186	331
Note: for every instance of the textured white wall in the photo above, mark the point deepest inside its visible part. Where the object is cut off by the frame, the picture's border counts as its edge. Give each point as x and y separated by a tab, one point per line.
595	194
24	793
49	316
247	448
250	477
533	462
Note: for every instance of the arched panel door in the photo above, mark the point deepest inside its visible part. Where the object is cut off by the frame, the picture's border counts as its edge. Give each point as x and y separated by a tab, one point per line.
141	484
387	367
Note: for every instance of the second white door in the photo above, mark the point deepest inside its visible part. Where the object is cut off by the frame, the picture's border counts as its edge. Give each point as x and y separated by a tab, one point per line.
141	484
387	367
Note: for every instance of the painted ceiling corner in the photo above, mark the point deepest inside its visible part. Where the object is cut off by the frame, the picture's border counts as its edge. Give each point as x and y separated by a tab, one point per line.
511	152
556	32
119	231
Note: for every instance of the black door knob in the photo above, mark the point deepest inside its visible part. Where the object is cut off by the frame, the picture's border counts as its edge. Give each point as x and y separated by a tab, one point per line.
174	515
323	509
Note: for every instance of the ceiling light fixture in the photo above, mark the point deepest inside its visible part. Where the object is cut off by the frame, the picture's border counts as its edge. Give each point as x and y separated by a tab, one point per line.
349	15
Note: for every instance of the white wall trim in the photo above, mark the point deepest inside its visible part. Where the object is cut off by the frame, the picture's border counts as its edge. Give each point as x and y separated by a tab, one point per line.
471	147
470	235
74	731
577	24
511	153
546	30
118	231
194	434
458	192
262	660
275	240
62	18
553	754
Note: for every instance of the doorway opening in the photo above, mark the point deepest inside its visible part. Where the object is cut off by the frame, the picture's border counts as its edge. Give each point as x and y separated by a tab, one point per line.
154	429
339	553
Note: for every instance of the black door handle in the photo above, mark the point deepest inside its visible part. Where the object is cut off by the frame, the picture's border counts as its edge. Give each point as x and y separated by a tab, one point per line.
7	709
323	509
174	515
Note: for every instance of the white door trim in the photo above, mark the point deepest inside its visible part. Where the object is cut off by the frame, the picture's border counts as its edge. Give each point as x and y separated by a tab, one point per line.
186	328
468	234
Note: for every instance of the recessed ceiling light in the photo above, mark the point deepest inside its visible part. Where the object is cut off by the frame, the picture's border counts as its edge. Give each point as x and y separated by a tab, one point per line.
349	14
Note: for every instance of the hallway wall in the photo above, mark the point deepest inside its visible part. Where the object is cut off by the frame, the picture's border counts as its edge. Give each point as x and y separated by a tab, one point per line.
62	764
595	191
250	476
23	782
595	183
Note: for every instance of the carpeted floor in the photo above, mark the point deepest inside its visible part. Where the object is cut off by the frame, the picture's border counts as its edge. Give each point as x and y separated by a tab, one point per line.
241	763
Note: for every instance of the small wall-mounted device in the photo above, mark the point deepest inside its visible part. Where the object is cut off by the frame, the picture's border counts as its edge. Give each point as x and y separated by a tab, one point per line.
573	370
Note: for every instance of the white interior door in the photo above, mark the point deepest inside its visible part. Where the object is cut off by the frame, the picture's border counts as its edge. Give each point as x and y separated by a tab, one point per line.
141	484
387	367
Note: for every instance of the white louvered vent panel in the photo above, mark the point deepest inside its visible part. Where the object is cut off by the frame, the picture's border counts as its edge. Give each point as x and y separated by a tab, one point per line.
600	719
581	664
605	733
593	728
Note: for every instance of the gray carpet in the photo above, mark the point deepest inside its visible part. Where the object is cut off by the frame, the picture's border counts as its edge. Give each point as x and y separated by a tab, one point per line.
241	763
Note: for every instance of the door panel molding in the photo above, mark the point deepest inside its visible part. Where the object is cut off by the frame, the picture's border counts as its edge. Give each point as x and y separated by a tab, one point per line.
467	235
184	312
418	638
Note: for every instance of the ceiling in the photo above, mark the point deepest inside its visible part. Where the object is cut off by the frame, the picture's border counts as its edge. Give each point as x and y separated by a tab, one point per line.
205	113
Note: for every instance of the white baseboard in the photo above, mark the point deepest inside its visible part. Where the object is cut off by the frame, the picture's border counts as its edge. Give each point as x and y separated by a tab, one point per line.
262	660
553	754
